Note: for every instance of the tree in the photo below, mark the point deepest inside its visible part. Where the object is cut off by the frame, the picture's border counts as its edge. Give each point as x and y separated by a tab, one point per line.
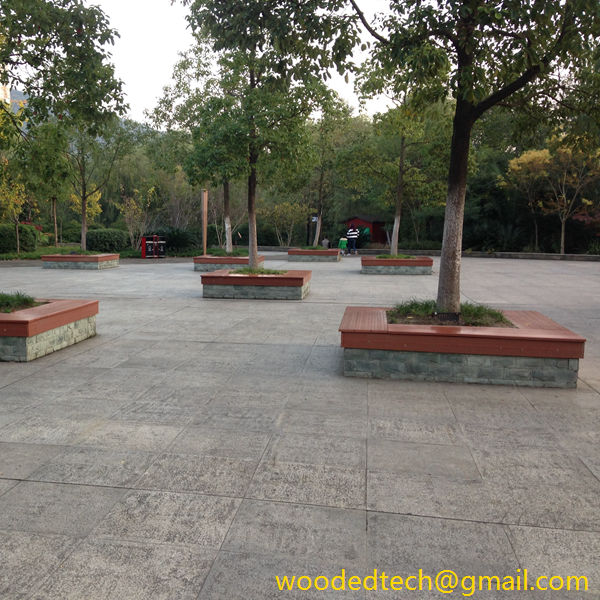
54	51
569	172
92	159
485	53
285	216
260	107
527	174
44	165
139	211
12	197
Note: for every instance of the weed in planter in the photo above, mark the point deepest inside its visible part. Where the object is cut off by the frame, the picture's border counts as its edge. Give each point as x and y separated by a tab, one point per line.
16	301
396	256
424	312
249	271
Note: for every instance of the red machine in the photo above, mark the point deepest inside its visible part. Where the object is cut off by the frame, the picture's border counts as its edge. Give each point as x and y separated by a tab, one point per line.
154	247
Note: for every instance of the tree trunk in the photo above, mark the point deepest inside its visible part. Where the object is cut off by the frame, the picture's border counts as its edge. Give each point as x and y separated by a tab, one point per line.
227	219
83	221
318	229
55	223
252	237
399	199
563	225
17	237
319	209
536	244
448	299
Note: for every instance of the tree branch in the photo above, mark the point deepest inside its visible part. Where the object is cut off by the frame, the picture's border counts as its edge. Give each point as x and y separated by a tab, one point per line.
366	24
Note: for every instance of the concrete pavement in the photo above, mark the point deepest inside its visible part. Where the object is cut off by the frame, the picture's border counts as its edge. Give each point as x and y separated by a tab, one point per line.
199	448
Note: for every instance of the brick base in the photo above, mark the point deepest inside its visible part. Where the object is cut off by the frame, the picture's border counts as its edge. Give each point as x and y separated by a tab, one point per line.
395	270
208	267
87	266
314	258
24	349
256	292
461	368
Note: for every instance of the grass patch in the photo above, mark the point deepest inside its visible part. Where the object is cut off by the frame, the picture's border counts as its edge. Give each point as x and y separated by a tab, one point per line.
37	254
313	248
394	256
16	301
130	253
424	312
249	271
221	252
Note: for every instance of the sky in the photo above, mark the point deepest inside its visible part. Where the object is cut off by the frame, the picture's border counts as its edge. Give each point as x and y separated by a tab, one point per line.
154	32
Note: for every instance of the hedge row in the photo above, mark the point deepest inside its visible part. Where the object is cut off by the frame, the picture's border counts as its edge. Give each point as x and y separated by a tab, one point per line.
107	240
8	238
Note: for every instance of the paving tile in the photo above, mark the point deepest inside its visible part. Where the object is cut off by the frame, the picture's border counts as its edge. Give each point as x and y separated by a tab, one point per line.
254	400
317	450
166	517
339	424
245	575
55	508
78	408
574	506
18	461
130	436
103	570
95	466
159	412
423	494
404	430
310	484
46	430
204	474
530	466
239	419
223	442
405	544
505	438
452	462
558	552
7	484
323	535
27	559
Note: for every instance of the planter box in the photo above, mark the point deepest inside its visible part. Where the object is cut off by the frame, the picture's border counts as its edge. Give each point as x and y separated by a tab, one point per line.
420	265
90	262
537	352
34	332
216	263
291	285
325	255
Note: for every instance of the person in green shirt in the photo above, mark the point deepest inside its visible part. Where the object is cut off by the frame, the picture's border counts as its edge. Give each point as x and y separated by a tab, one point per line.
343	244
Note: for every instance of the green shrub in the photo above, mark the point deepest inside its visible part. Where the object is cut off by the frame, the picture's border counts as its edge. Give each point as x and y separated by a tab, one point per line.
70	232
176	239
107	240
594	247
8	238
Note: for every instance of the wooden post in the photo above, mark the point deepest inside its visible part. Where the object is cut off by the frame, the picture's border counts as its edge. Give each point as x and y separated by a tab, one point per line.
204	219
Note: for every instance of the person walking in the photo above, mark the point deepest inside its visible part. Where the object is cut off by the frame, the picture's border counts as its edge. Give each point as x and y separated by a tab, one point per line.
352	235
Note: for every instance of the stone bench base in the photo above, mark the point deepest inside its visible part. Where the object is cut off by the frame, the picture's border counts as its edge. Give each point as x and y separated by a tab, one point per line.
393	270
461	368
256	292
207	264
536	352
24	349
88	262
87	266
